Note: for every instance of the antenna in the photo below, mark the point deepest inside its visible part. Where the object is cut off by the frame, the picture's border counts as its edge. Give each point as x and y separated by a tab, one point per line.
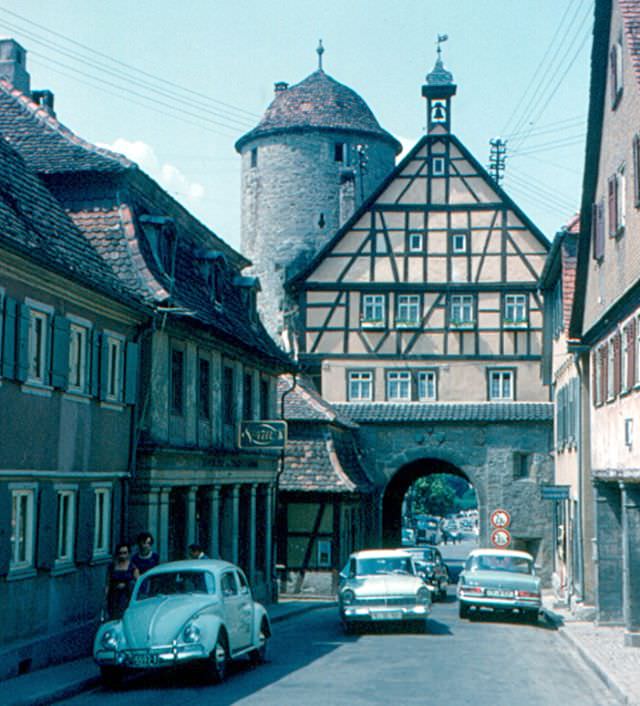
497	158
320	52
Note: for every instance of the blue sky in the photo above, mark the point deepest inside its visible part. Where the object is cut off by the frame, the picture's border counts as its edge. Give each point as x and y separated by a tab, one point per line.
175	84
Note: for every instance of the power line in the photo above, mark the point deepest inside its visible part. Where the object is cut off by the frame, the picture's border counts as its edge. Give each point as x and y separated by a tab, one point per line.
559	125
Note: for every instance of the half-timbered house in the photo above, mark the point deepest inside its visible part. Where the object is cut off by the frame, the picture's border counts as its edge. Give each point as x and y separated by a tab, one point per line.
421	319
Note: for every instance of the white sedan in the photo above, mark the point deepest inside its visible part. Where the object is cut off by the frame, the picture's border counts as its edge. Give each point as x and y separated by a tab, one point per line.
184	611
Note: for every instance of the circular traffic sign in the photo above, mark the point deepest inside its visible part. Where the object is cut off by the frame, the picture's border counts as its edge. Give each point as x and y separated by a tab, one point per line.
500	518
501	538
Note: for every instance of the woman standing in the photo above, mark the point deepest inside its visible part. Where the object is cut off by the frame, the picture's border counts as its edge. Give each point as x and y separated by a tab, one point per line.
121	576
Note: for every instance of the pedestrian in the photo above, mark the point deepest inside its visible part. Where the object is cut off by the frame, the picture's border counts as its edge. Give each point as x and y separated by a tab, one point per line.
196	552
145	558
121	577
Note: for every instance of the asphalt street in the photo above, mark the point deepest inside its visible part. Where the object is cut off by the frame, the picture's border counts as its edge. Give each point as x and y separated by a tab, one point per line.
484	661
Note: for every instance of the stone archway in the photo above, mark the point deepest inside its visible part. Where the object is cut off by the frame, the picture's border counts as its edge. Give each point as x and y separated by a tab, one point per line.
397	487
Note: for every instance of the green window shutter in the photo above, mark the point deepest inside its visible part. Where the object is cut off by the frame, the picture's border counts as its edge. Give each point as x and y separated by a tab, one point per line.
85	524
23	324
131	373
104	367
60	359
47	529
95	363
9	338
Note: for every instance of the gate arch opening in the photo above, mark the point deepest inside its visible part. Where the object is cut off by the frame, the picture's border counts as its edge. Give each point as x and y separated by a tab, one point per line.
396	490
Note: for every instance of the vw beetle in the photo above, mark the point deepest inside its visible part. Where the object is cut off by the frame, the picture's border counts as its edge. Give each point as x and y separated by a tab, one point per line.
181	612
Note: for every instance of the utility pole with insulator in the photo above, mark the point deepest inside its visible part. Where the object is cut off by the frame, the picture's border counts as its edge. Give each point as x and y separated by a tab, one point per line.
497	158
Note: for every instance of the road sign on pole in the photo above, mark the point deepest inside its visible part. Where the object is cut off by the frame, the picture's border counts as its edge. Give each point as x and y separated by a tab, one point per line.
500	518
501	538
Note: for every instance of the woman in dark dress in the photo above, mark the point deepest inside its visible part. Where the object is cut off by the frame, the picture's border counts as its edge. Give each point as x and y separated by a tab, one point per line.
121	576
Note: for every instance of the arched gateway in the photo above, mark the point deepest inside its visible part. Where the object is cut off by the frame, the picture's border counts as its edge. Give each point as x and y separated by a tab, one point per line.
397	488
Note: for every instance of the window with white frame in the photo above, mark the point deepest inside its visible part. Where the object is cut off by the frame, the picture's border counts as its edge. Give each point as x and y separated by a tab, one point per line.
597	378
427	385
22	527
637	352
515	309
615	72
625	360
360	385
66	525
461	311
102	522
459	243
611	369
398	386
416	241
373	309
114	369
501	384
78	341
438	166
38	346
616	200
408	311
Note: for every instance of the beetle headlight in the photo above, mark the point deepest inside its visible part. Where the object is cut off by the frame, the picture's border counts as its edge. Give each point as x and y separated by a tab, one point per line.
348	597
423	595
191	633
109	640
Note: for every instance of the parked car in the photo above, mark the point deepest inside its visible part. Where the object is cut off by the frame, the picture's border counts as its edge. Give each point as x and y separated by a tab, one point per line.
430	565
382	585
181	612
408	536
499	579
428	530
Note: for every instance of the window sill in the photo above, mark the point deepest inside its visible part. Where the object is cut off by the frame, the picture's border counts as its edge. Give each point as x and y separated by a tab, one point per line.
372	324
408	324
113	406
73	396
61	568
100	559
19	574
462	325
515	324
37	388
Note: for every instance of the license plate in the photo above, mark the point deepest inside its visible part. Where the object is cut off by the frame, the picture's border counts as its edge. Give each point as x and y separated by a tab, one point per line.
141	660
387	615
496	593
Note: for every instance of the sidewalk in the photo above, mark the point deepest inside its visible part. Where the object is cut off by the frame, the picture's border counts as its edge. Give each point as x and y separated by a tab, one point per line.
602	649
46	686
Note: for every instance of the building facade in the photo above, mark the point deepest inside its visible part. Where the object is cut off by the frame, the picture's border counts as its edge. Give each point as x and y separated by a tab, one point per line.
422	321
605	321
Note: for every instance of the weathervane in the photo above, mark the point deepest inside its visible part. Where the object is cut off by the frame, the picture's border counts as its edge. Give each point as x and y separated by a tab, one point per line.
441	38
320	51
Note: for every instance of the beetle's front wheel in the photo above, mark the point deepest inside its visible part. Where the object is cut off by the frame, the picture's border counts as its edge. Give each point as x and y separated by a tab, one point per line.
219	658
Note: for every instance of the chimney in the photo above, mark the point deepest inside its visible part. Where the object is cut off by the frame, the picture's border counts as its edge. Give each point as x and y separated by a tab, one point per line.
45	100
13	65
347	197
281	86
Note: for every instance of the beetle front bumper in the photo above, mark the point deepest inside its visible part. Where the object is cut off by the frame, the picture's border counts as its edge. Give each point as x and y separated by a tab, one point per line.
162	656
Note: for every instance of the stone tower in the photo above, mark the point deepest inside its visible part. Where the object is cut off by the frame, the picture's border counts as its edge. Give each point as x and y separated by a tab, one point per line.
315	155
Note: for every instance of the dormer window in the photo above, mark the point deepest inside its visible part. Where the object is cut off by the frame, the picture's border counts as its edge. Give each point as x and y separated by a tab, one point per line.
249	288
212	264
160	232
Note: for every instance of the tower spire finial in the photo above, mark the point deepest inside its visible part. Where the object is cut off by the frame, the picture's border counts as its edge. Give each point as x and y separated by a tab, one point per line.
320	52
441	38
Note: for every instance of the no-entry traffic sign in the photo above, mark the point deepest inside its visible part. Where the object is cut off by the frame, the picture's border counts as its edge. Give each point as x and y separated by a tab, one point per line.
500	518
501	538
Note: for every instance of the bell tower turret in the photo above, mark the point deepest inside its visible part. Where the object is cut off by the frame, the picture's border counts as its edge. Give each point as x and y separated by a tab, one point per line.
438	90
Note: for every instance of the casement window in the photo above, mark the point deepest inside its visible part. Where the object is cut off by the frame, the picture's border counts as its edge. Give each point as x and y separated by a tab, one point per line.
360	386
427	390
616	190
636	169
515	308
204	388
265	408
501	384
398	386
597	230
373	310
78	358
340	152
626	357
416	241
459	242
66	525
615	73
228	397
596	378
23	504
247	396
438	166
521	465
177	382
636	354
102	522
461	311
39	345
113	348
254	158
408	309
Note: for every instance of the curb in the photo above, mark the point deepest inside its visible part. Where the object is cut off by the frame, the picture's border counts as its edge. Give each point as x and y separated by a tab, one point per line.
64	692
596	667
299	610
